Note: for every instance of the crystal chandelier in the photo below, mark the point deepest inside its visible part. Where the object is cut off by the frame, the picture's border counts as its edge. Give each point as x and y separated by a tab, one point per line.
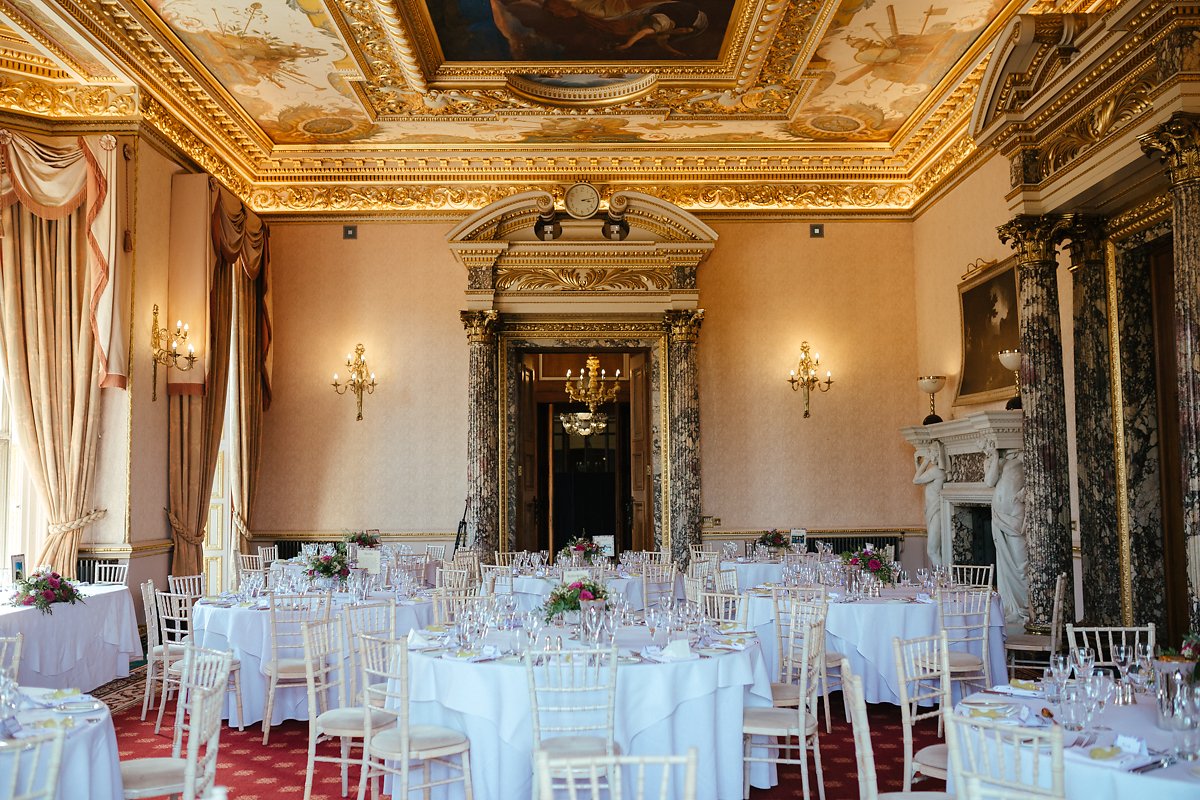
584	423
592	387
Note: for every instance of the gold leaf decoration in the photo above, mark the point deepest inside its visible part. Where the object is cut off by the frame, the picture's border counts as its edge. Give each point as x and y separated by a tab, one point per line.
65	100
581	279
1094	125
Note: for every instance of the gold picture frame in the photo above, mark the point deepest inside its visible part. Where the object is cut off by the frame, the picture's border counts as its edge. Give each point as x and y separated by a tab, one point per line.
989	321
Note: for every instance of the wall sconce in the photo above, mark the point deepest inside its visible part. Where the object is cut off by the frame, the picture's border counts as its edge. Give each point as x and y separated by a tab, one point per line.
169	356
361	378
804	376
1011	360
931	385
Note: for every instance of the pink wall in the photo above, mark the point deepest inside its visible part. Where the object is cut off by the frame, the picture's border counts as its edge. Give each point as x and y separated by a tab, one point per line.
397	289
766	287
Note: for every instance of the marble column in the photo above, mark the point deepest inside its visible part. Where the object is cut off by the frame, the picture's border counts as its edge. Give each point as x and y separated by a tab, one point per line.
1094	423
1178	143
683	329
1043	399
483	408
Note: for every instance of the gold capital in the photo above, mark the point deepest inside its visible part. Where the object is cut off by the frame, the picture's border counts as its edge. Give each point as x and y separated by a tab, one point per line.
1032	236
1086	237
1177	144
480	325
684	326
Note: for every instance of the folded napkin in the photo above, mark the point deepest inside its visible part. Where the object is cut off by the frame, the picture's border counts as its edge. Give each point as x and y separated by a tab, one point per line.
1018	688
488	653
677	650
419	641
924	598
1023	716
1112	757
735	643
40	727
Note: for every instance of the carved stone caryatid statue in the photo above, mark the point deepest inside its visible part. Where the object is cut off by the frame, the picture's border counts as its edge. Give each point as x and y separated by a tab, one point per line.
1005	471
931	473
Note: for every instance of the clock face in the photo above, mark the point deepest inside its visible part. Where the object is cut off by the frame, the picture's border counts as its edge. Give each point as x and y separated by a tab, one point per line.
582	200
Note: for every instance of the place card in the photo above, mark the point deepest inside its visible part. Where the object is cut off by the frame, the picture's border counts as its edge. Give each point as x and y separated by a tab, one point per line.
1130	744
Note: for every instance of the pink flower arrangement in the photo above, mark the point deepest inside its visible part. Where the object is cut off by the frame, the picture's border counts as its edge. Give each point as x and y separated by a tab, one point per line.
586	549
329	565
44	588
568	596
868	560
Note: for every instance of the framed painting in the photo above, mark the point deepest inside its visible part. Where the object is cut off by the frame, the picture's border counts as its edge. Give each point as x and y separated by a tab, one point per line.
988	309
18	566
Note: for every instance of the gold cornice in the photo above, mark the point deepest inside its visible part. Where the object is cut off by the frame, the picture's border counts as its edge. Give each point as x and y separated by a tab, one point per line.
68	101
56	50
582	279
1142	216
127	550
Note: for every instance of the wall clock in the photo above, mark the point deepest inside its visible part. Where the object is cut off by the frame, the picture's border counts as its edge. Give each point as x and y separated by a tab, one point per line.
581	200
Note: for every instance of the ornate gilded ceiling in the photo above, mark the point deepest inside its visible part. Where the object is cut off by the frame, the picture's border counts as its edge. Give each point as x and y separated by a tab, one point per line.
420	106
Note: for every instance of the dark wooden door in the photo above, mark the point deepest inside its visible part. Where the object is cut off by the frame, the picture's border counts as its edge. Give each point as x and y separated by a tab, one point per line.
640	475
527	460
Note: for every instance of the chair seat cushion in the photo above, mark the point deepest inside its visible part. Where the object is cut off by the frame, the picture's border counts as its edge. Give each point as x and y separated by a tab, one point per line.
933	759
349	721
776	722
784	695
576	746
176	667
425	741
960	662
286	667
151	777
1027	642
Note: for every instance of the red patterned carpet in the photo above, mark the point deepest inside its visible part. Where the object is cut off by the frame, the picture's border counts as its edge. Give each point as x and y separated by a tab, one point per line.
254	772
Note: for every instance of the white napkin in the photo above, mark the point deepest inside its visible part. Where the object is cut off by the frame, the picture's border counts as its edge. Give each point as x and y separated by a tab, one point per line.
924	598
1102	758
418	641
488	653
737	643
677	650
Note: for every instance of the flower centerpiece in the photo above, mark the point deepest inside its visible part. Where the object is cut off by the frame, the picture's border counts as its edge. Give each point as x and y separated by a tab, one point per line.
329	565
43	588
586	549
870	561
776	540
363	539
571	596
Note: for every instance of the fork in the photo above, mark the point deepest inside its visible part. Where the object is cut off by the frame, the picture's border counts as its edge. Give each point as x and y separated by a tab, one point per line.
1165	761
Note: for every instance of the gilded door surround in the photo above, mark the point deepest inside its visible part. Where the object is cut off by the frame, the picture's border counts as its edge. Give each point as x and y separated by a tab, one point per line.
582	291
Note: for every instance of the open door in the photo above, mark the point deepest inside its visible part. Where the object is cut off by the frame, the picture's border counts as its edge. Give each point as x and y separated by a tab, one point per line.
527	456
640	471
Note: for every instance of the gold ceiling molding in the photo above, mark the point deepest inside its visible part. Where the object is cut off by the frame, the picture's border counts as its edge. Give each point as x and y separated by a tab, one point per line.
192	146
1094	125
68	101
31	65
87	68
1142	216
582	279
788	196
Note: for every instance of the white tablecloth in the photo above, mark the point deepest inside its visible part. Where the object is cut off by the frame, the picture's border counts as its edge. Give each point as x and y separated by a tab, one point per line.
1090	780
89	767
755	573
79	646
247	632
863	632
661	708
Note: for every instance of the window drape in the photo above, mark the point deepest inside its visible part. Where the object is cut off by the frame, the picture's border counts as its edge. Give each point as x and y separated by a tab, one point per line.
57	315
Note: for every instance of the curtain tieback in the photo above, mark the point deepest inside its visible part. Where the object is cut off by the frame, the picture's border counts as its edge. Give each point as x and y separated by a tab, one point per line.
56	528
240	524
181	530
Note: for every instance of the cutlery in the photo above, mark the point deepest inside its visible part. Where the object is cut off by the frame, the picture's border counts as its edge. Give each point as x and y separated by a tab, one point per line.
1165	761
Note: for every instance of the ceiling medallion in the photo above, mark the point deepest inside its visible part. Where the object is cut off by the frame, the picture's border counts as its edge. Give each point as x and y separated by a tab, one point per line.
581	90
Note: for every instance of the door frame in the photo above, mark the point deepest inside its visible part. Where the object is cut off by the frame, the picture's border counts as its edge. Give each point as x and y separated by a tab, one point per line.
518	337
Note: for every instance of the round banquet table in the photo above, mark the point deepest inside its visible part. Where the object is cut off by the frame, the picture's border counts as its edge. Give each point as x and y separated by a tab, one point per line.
1090	779
79	646
89	756
246	630
863	631
660	709
755	573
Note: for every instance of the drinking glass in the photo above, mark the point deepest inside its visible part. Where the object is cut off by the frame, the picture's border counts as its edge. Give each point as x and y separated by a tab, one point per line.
1122	656
1085	660
1096	690
1051	686
1073	713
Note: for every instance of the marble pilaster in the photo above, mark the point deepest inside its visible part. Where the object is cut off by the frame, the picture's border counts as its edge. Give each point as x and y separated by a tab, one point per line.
1178	142
1098	536
683	329
1140	423
483	453
1043	399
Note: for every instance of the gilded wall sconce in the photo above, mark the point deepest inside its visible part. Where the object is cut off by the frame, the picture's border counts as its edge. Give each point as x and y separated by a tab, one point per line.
164	349
804	376
361	381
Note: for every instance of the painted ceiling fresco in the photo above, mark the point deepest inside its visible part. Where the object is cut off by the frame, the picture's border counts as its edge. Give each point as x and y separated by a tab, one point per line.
855	71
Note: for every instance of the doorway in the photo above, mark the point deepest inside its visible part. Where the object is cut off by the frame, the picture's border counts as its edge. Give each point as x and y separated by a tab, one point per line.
583	483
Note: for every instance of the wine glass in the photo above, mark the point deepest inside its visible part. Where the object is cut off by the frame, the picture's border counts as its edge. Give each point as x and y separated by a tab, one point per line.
1060	667
1122	656
1085	661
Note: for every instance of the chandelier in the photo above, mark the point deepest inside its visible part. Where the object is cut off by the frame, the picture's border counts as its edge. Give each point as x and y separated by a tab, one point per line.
592	387
584	423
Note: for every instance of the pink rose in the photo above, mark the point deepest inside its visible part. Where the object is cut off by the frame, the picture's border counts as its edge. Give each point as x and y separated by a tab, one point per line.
584	594
29	600
327	558
55	575
854	561
49	595
578	547
345	571
53	582
576	585
874	564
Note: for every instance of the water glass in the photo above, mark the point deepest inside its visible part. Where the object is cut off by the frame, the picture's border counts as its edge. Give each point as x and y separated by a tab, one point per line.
1073	711
1051	686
